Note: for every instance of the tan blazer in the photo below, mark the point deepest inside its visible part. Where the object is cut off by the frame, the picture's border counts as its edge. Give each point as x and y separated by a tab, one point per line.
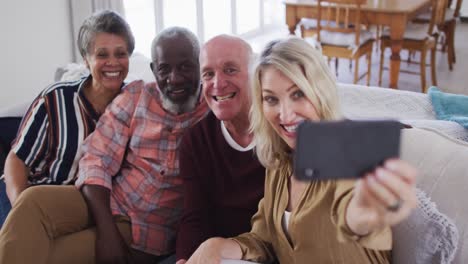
317	229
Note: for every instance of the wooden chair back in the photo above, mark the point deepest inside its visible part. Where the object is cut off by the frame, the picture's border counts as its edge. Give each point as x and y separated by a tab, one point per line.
438	14
457	8
335	15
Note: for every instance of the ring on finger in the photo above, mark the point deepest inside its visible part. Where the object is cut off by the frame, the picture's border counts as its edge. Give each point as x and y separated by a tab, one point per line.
395	206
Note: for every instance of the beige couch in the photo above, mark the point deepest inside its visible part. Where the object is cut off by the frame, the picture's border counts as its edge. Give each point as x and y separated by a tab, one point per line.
443	165
437	230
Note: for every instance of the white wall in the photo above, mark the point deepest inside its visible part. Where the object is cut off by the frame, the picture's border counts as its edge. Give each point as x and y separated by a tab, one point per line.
464	9
36	39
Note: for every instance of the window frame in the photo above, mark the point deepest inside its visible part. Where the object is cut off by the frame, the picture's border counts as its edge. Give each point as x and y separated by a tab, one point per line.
159	19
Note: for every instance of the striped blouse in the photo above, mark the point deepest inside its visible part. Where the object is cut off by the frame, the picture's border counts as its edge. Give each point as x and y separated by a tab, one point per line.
52	131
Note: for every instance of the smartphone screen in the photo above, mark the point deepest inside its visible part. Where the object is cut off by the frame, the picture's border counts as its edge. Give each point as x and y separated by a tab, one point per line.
344	149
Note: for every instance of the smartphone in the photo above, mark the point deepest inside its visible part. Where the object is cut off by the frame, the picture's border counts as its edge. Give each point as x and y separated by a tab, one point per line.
344	149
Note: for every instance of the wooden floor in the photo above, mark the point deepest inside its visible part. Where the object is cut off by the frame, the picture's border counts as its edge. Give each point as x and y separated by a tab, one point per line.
455	81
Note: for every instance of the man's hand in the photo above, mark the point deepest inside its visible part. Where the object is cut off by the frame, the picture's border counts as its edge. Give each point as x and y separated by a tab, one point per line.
209	252
181	261
213	250
110	245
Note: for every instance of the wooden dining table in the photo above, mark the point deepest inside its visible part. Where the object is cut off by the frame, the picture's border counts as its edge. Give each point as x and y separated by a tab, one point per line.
392	13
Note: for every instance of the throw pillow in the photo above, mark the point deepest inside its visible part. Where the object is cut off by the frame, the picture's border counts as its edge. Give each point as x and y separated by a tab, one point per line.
427	236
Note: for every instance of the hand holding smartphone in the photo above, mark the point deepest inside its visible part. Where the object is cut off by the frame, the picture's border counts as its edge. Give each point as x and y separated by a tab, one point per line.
344	149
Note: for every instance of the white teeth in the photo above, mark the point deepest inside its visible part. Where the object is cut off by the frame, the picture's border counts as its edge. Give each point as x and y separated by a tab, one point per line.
178	91
222	98
111	74
291	128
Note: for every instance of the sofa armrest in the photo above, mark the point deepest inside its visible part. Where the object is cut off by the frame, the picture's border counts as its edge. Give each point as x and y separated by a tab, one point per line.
441	161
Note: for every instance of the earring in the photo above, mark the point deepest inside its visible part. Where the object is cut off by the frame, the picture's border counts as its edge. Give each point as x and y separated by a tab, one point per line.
168	81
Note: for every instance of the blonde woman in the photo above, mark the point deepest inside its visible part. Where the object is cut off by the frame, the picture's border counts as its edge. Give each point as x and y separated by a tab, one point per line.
336	221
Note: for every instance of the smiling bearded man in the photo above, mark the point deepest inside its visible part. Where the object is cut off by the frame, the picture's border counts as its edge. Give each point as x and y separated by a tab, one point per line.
176	72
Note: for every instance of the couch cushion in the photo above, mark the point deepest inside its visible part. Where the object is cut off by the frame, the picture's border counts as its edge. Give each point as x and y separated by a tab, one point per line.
358	101
311	23
16	110
442	162
345	39
413	31
426	16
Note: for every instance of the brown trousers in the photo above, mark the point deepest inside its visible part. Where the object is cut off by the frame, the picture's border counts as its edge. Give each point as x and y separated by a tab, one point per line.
51	224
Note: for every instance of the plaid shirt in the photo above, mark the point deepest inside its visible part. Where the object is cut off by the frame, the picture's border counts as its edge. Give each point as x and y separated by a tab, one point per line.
134	153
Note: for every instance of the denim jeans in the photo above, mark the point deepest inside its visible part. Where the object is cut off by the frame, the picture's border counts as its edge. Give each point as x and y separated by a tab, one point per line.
5	205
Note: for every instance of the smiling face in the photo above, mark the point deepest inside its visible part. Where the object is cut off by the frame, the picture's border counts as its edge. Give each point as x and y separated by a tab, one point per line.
224	72
107	60
285	106
177	73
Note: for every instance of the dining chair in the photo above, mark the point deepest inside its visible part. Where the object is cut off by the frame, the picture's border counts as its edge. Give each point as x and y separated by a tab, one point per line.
340	34
447	28
419	38
308	28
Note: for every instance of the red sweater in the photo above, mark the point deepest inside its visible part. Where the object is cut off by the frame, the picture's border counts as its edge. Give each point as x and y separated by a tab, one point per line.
222	187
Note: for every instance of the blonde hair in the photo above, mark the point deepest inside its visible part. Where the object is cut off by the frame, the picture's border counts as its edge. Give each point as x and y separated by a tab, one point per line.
303	65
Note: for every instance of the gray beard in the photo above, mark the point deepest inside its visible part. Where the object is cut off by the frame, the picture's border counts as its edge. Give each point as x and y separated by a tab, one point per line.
176	108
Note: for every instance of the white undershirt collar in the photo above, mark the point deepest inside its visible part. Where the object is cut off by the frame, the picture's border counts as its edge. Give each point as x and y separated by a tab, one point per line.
232	142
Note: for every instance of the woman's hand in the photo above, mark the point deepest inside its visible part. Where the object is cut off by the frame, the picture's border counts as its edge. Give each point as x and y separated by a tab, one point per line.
382	198
213	250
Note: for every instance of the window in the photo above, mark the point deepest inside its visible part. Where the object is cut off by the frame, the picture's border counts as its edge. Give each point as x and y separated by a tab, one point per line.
274	12
248	16
206	18
180	13
140	15
216	18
